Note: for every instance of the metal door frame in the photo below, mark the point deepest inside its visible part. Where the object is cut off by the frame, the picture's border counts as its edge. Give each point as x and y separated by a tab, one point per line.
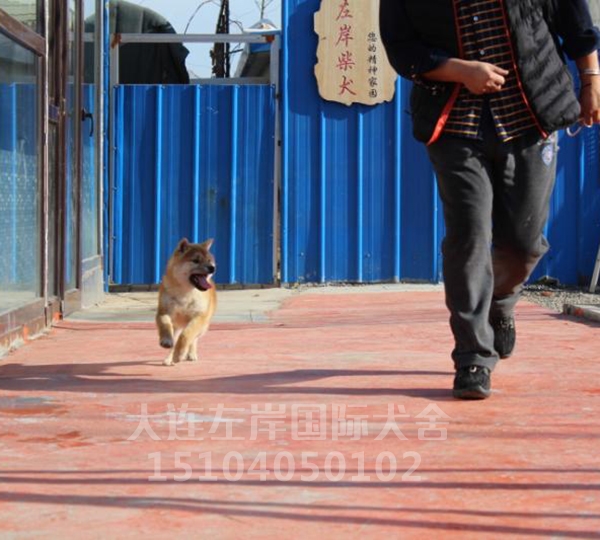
70	299
38	313
274	40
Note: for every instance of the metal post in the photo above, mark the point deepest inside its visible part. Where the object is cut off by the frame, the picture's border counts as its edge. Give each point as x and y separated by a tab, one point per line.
596	273
99	81
114	80
398	182
159	185
234	185
360	180
274	79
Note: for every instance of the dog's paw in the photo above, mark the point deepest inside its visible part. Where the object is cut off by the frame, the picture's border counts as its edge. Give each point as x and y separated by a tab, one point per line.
166	342
180	359
191	358
168	361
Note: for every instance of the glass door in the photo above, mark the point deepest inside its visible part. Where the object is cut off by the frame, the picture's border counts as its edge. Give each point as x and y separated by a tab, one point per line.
20	200
72	221
22	55
65	85
54	152
92	284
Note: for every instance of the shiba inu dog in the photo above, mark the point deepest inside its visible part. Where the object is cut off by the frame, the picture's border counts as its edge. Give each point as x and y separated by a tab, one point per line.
186	300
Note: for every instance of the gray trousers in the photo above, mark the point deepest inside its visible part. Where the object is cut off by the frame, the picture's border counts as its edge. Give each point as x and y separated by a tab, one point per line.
496	199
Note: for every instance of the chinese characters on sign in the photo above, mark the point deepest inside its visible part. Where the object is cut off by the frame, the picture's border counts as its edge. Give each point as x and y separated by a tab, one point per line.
352	66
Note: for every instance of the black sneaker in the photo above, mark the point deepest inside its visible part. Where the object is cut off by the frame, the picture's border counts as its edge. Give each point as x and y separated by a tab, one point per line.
472	382
505	335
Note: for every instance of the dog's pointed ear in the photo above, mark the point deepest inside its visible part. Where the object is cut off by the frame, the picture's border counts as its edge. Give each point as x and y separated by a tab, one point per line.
207	243
183	245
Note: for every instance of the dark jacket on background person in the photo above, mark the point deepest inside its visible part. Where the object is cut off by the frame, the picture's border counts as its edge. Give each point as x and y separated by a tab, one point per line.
419	35
142	63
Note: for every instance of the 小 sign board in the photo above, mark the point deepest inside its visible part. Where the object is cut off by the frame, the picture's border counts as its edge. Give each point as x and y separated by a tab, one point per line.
352	66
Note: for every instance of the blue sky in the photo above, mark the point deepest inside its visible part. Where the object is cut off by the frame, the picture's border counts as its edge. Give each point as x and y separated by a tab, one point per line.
178	13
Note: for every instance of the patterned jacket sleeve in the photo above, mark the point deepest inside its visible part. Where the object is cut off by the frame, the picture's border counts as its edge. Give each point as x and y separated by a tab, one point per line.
571	21
406	53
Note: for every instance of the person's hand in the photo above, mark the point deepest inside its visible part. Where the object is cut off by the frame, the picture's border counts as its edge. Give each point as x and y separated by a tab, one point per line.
483	78
589	99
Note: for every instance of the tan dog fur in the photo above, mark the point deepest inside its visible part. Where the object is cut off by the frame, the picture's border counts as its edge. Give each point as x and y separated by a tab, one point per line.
185	309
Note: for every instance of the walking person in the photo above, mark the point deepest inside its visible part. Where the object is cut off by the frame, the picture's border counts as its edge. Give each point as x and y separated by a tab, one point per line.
490	89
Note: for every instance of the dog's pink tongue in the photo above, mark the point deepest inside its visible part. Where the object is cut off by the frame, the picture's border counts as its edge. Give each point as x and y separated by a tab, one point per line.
204	283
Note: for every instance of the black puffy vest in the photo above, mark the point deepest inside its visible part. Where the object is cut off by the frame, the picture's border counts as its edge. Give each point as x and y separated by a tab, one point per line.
545	77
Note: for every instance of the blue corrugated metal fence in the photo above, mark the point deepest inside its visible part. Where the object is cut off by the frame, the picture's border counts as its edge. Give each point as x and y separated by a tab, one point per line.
359	201
358	197
194	161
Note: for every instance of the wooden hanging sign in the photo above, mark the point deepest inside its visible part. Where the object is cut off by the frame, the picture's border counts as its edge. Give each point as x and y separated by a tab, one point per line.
352	66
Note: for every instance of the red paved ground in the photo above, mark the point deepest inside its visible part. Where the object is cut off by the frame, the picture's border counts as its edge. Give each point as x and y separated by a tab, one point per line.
523	464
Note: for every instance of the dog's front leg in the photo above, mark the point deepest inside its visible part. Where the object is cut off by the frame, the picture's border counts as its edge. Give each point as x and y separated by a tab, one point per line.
186	346
165	330
166	335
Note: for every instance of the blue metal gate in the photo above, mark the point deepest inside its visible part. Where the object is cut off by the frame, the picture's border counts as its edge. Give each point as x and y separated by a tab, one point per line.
193	161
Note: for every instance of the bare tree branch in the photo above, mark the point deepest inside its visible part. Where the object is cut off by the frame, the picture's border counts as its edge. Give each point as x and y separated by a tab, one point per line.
262	6
196	12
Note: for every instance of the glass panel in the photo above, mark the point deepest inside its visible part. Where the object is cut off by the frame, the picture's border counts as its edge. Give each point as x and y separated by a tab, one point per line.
53	211
72	251
90	182
25	11
19	187
53	54
53	150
